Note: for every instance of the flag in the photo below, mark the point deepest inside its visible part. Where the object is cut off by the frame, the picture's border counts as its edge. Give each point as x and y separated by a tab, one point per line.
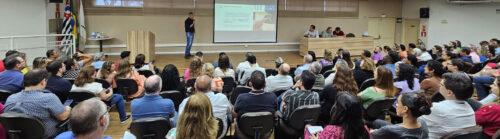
82	28
69	27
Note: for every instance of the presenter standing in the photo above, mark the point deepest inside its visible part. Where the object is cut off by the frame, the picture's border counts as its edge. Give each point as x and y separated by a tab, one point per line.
189	27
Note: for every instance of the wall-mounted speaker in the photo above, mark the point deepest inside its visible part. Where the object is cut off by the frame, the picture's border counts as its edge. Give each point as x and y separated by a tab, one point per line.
424	12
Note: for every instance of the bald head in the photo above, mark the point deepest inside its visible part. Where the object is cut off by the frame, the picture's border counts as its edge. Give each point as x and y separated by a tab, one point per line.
153	84
203	83
308	59
284	69
86	117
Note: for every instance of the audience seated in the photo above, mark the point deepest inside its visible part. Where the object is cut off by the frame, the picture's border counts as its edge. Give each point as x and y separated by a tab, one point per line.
56	84
346	121
328	60
244	65
10	52
38	63
300	95
403	51
216	63
406	81
52	55
425	56
410	106
194	69
434	71
217	83
99	60
456	65
343	83
124	55
81	59
414	50
494	92
411	60
152	104
282	81
33	100
220	104
384	87
447	56
437	52
488	118
86	82
170	79
224	68
473	54
253	67
366	68
71	71
454	112
347	57
107	72
338	63
464	55
256	100
306	63
390	61
89	119
197	121
12	79
377	54
141	65
125	72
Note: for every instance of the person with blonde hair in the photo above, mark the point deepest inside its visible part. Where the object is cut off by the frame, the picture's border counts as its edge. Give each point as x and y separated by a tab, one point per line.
125	72
196	121
366	68
194	69
217	83
328	60
39	63
107	72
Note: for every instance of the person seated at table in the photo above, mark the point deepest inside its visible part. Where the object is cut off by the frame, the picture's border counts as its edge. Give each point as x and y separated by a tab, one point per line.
312	32
338	32
328	33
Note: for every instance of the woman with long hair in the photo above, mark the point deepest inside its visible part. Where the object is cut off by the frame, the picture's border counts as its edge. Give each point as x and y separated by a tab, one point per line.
410	106
338	63
347	57
406	81
140	64
107	72
412	61
223	69
85	81
196	120
343	82
39	63
346	121
328	60
434	71
384	87
194	69
170	79
125	72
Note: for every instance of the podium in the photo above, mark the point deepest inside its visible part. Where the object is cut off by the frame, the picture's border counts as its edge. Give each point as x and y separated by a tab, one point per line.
141	42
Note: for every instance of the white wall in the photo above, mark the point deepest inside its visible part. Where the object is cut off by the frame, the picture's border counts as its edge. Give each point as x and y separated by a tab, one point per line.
411	8
468	23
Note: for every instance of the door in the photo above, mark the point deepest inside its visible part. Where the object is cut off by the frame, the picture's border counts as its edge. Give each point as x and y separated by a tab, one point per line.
382	30
410	31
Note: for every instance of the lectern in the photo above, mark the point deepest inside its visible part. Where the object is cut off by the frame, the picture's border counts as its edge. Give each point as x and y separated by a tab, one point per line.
141	42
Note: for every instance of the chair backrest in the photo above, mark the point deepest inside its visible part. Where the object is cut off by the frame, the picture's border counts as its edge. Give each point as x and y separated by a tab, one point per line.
22	126
327	73
190	85
71	80
271	72
256	123
229	85
175	96
126	87
103	82
150	128
146	73
367	83
221	127
4	94
237	91
496	135
279	92
307	114
79	96
467	133
326	68
378	107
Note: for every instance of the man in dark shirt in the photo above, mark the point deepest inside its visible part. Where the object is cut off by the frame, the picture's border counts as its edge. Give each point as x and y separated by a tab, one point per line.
56	84
257	100
464	55
338	32
189	27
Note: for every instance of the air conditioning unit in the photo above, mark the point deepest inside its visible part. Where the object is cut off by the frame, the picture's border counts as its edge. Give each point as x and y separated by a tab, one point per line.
470	1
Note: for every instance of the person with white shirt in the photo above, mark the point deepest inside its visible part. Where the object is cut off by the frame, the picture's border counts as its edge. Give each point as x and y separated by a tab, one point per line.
312	32
280	81
221	106
244	65
248	72
425	56
453	113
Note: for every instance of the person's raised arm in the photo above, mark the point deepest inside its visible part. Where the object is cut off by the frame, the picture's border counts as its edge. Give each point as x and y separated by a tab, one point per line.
63	116
86	58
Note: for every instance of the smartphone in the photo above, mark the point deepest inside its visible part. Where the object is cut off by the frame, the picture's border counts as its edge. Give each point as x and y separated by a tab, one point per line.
68	102
107	89
314	129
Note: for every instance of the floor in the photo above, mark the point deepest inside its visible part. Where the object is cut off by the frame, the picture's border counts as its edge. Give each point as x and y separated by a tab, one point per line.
116	129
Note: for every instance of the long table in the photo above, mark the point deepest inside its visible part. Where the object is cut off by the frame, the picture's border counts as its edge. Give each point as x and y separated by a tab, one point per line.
318	45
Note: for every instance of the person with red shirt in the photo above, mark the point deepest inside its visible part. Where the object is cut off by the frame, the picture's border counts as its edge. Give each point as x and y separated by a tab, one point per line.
338	32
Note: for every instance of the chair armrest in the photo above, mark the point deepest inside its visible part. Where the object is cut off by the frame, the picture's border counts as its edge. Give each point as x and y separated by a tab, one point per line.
63	124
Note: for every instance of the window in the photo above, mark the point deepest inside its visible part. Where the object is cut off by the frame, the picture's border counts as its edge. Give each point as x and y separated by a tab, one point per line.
118	3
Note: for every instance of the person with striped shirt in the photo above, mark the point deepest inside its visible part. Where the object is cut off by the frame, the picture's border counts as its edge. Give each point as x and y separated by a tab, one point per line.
300	95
